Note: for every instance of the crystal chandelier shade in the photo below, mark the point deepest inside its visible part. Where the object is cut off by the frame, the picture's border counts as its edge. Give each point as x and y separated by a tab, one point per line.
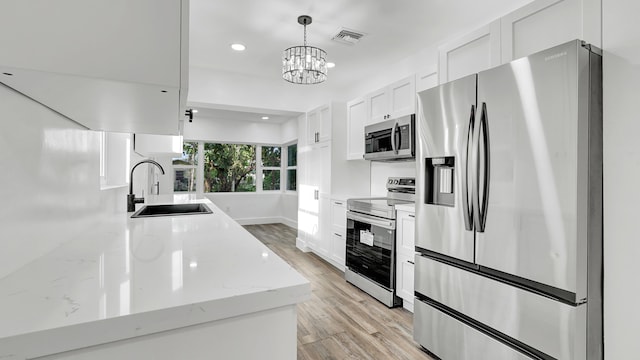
304	64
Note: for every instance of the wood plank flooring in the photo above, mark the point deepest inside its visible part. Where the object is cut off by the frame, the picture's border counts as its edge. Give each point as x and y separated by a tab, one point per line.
340	321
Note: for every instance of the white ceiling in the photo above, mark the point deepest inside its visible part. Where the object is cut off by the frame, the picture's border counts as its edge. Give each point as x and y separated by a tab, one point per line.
395	29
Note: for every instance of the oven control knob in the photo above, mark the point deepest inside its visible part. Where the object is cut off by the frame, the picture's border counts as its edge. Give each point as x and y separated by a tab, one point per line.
396	181
390	181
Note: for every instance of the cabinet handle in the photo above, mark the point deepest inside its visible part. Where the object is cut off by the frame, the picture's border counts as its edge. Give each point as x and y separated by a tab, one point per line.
411	262
338	235
412	216
337	203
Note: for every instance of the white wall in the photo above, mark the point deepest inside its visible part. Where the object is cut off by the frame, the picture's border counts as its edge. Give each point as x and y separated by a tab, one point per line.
381	171
50	187
289	131
621	63
257	208
349	178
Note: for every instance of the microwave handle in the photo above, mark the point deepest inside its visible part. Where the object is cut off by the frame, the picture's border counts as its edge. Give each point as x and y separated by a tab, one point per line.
394	146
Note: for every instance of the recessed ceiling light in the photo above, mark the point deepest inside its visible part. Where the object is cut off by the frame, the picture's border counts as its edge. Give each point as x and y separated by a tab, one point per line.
238	47
194	110
265	118
331	65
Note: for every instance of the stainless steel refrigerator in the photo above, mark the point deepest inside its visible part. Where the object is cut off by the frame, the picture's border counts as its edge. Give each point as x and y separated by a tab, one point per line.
509	211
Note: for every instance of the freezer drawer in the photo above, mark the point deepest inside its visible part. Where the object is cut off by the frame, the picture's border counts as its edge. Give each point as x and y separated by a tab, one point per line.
450	339
552	327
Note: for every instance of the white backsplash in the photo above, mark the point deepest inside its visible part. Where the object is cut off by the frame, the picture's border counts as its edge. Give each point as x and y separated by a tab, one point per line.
381	171
50	187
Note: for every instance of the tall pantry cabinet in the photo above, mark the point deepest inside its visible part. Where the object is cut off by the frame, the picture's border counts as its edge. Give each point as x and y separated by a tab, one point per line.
325	180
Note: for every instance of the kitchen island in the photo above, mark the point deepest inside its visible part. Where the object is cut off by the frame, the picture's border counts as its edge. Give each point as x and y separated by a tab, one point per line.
191	287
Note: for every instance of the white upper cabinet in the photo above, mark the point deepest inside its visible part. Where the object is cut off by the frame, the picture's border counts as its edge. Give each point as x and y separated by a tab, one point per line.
116	65
356	119
541	25
392	101
395	100
319	124
474	52
378	105
427	79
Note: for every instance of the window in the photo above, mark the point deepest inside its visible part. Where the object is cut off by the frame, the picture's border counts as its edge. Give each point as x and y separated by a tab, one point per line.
185	167
229	168
292	163
271	163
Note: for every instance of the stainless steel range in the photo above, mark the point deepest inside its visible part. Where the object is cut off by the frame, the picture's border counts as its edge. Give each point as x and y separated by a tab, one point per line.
371	240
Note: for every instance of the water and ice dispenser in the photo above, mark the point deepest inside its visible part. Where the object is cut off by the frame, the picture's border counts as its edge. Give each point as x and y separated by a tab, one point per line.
440	181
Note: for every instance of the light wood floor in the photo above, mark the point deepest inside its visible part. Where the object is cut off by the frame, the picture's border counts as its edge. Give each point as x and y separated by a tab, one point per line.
340	321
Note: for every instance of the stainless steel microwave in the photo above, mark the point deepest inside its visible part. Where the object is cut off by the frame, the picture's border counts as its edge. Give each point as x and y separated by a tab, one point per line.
391	140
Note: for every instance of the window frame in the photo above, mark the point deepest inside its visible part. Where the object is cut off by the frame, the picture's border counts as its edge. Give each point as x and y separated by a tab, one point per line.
283	168
261	169
286	168
195	167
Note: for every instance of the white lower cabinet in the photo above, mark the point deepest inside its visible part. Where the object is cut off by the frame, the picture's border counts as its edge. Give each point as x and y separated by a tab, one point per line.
338	233
405	253
339	248
404	280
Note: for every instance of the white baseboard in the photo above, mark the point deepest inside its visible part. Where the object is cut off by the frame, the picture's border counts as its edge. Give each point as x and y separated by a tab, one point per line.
289	222
268	220
302	245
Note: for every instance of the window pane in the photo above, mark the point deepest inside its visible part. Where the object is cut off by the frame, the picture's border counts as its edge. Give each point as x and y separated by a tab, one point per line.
292	155
189	154
185	180
271	180
271	156
229	168
291	179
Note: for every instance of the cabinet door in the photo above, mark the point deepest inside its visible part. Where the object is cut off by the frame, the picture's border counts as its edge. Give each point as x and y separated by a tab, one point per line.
541	25
474	52
405	233
356	119
338	214
378	106
323	236
324	123
338	248
308	186
402	97
323	166
404	278
313	126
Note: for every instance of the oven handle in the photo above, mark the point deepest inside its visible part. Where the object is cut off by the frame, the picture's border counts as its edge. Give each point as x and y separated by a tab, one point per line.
383	223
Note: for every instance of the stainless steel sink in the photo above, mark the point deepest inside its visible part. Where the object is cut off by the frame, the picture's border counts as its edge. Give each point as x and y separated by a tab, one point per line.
172	210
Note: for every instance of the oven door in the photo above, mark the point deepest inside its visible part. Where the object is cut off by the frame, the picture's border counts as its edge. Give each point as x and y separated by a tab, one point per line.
371	248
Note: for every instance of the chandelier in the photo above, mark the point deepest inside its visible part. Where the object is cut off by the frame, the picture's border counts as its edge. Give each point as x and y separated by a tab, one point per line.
304	64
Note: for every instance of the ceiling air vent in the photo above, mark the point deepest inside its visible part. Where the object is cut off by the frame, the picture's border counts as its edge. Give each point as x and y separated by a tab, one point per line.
348	36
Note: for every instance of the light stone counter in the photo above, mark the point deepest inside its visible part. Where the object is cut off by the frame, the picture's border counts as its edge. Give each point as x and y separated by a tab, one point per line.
132	277
406	207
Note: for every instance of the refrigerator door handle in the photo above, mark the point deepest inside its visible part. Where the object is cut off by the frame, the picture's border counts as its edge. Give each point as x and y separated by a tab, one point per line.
468	210
394	146
482	172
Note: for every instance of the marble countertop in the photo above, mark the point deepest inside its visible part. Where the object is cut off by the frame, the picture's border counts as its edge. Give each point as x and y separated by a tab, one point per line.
406	207
131	277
